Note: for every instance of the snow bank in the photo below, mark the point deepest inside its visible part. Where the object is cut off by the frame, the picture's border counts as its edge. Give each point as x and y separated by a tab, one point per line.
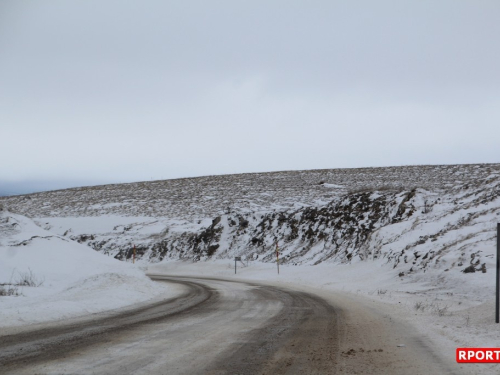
74	279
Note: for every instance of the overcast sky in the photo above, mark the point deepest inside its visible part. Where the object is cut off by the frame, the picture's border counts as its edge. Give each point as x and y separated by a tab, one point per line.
119	91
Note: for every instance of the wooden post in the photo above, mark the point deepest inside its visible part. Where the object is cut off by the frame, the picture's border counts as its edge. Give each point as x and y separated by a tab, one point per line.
278	257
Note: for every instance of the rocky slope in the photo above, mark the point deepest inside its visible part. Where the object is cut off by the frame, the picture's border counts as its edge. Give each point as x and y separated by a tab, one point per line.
207	197
414	218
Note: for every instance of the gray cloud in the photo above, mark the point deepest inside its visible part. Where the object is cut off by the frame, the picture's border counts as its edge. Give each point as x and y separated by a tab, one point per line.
122	91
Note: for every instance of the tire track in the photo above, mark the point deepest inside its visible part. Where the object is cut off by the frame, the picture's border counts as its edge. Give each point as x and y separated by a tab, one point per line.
58	342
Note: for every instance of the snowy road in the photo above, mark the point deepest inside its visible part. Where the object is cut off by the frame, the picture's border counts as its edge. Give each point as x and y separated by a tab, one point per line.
223	327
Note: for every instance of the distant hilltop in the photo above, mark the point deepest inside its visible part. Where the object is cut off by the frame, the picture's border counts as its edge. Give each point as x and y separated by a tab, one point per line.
206	197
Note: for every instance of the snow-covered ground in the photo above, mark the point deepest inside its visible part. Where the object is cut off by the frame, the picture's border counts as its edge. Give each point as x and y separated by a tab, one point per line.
450	312
70	279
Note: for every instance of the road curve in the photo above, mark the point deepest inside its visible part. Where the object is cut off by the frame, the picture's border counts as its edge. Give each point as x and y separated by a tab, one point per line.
213	327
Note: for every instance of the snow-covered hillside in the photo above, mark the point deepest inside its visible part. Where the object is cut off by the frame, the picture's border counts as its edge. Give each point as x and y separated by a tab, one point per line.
208	197
45	277
447	220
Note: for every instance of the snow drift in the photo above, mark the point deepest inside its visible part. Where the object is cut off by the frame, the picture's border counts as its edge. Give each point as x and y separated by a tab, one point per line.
61	277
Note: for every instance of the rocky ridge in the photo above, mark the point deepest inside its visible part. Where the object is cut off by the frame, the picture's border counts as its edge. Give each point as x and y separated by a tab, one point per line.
429	217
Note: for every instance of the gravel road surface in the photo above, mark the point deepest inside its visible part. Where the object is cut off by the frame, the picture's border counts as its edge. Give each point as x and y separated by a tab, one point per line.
225	327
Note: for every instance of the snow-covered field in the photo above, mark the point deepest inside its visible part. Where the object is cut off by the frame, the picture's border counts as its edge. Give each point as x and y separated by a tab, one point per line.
67	279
